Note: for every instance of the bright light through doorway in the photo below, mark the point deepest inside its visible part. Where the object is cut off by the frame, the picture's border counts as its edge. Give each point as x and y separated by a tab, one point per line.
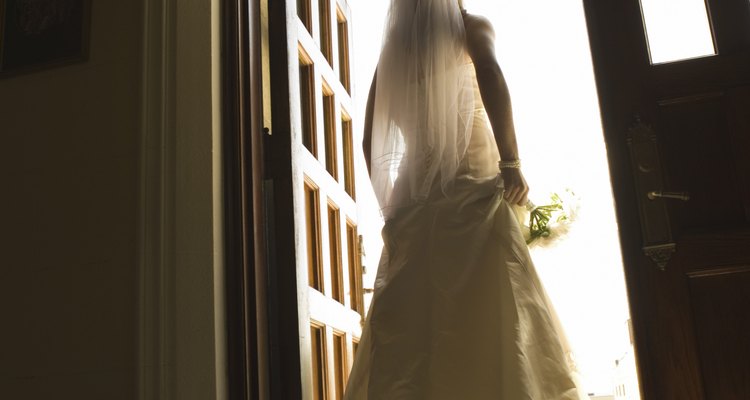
543	49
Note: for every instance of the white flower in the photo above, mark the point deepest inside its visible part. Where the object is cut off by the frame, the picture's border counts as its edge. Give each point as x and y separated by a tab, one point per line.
546	224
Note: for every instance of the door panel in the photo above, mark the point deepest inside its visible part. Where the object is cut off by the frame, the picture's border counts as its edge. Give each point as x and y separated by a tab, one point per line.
731	29
694	134
689	320
719	305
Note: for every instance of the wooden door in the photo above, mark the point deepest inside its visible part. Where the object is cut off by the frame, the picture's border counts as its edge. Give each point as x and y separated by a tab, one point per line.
681	126
315	271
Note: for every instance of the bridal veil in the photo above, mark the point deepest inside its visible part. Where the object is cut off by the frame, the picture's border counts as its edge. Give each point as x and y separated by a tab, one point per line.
424	103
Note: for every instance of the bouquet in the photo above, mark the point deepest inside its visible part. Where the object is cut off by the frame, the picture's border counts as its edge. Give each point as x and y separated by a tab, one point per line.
546	224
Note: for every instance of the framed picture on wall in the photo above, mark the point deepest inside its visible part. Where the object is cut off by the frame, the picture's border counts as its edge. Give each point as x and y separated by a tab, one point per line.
38	34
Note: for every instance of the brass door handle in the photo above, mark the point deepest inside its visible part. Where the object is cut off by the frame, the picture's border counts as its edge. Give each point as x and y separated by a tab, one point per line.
658	243
658	194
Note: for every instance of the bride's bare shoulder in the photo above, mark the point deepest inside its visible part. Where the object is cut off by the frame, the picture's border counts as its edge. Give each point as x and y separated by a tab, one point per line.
478	25
480	39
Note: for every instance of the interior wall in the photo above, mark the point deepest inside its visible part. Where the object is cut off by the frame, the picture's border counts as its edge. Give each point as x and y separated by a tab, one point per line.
111	269
70	168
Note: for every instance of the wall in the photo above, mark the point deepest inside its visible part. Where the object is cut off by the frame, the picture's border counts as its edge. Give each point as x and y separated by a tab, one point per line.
70	168
111	259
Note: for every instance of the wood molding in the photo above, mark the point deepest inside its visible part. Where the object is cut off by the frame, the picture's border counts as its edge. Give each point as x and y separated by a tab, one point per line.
244	220
156	241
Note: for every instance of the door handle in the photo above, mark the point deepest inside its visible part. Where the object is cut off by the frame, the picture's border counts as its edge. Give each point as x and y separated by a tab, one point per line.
658	243
658	194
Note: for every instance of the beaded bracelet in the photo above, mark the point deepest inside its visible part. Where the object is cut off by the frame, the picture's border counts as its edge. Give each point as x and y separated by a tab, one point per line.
509	164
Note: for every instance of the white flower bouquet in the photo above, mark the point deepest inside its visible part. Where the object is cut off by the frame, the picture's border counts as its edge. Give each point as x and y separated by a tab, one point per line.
546	224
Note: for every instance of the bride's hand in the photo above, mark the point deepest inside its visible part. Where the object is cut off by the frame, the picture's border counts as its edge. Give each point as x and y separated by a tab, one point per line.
516	188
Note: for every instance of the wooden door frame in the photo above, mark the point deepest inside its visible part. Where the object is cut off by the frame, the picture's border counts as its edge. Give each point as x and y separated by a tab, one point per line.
265	293
244	220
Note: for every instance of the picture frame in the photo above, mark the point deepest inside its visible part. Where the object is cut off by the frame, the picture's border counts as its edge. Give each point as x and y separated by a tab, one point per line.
41	34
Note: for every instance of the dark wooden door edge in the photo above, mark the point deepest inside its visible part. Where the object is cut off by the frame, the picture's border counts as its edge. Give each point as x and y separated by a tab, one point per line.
244	245
607	66
284	305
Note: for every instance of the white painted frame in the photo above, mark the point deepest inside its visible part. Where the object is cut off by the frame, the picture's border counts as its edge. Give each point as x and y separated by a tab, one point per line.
181	330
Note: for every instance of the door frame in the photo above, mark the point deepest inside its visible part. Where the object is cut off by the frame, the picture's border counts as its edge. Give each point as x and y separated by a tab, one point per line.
180	306
244	220
289	377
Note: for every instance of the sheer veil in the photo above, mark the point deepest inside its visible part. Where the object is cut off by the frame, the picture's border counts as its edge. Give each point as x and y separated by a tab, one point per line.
424	103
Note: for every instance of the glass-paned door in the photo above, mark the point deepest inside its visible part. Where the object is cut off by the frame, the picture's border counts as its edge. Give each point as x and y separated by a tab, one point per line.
318	111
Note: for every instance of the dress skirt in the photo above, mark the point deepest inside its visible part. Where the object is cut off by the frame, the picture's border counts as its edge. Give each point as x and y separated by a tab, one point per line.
458	310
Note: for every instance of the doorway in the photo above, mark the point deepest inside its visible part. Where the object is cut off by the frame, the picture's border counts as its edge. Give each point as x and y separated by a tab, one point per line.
544	52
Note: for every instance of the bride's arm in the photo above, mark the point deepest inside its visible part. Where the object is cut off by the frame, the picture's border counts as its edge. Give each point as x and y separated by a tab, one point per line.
367	139
480	43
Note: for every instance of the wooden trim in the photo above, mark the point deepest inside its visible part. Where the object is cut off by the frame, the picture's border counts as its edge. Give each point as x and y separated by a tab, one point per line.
245	256
304	56
727	270
156	314
257	134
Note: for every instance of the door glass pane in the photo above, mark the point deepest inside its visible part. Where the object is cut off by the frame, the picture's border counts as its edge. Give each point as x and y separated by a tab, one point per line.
307	104
312	223
320	373
343	31
329	115
356	297
324	12
346	132
304	14
339	363
677	29
334	240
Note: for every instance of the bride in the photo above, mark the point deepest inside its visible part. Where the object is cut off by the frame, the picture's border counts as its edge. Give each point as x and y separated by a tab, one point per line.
458	311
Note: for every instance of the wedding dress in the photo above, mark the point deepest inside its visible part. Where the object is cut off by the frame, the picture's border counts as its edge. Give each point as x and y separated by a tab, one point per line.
458	310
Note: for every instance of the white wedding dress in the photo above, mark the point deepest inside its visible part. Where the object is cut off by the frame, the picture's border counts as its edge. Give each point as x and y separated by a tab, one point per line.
458	311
